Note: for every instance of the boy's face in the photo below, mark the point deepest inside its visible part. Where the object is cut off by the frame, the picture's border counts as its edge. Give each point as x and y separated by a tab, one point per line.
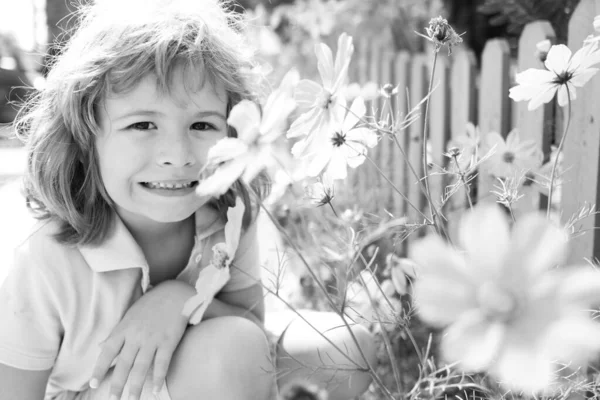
151	147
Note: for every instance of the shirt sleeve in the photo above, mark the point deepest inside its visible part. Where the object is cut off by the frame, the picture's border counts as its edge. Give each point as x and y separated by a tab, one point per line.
246	265
30	332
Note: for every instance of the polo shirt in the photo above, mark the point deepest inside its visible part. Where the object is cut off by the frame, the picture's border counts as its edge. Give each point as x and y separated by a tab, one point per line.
58	302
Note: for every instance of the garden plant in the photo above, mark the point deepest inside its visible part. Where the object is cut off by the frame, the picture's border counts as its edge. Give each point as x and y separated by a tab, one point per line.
487	310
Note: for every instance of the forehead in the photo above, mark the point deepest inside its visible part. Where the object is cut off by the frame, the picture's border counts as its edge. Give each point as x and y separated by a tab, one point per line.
184	88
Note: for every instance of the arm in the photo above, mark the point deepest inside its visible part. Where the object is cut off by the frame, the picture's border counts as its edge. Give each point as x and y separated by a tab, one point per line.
248	303
22	384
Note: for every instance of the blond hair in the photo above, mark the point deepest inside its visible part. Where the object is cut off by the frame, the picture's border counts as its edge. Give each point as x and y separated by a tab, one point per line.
116	44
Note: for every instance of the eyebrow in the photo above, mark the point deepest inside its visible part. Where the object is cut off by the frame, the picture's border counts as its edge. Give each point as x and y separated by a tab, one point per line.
151	113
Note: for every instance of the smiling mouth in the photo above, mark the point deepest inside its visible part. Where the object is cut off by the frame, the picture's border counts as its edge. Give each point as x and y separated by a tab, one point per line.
169	186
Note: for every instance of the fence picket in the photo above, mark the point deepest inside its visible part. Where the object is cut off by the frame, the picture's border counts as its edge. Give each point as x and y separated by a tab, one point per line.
463	103
376	181
534	125
582	145
418	91
494	105
385	144
364	171
439	128
401	108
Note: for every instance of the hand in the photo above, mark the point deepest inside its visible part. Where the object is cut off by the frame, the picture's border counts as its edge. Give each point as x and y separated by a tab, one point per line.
149	332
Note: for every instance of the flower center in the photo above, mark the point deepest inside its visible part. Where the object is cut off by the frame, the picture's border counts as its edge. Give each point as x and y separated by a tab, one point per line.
325	99
496	302
220	257
338	139
508	157
563	78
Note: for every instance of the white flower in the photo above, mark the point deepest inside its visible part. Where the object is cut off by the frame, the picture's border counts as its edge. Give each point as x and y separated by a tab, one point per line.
402	270
321	192
345	145
564	73
512	157
320	101
369	302
249	153
506	308
213	277
467	146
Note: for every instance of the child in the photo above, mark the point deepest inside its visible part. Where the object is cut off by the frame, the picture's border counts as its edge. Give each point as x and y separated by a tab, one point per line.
91	298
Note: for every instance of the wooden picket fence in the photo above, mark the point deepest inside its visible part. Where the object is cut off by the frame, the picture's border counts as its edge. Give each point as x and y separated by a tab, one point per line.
466	92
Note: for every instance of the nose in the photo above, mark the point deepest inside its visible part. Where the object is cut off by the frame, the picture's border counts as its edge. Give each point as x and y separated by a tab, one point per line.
176	151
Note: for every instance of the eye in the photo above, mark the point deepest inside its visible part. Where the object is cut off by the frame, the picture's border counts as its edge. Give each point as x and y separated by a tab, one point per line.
142	126
203	126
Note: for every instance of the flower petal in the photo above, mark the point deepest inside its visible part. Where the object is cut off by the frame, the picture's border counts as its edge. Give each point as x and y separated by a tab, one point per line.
365	136
325	64
357	111
222	179
277	109
436	257
582	77
581	288
574	339
473	341
233	227
307	92
484	234
523	367
537	245
337	167
245	118
558	58
226	149
544	95
440	301
305	123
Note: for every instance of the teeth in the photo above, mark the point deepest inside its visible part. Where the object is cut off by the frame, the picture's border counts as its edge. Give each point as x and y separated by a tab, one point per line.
161	185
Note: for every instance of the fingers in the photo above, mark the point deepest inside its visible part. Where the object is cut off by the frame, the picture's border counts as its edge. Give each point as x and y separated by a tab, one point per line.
137	373
162	361
110	349
127	357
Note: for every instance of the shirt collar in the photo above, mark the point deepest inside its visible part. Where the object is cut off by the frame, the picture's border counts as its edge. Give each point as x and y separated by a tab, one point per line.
120	250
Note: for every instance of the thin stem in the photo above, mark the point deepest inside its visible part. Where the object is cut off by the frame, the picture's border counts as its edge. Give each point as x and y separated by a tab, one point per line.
396	189
333	209
512	215
425	163
464	181
560	146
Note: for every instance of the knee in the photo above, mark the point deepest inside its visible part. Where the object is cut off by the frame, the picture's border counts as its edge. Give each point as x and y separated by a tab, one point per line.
335	355
227	357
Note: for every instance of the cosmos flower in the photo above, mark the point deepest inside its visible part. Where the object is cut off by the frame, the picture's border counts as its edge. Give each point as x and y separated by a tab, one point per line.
249	153
368	301
466	148
512	157
345	145
507	309
321	192
402	270
321	100
564	73
213	277
440	33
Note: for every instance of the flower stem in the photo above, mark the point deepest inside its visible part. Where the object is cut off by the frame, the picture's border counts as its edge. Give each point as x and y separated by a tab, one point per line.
560	146
464	181
333	209
425	163
396	189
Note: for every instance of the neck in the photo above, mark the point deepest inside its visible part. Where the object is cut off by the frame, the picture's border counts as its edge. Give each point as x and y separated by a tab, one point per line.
148	232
